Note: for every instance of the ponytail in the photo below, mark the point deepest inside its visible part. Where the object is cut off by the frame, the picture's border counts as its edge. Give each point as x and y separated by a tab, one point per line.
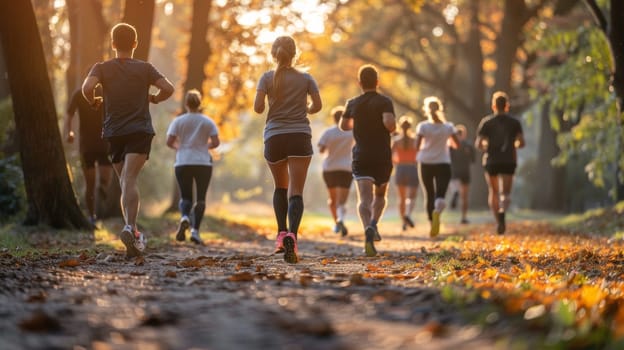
283	51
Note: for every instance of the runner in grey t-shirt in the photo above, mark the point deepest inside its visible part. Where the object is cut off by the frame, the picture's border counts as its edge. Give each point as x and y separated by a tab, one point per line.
287	138
127	122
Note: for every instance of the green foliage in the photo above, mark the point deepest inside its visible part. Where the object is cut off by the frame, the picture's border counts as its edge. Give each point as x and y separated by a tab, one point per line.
11	187
577	77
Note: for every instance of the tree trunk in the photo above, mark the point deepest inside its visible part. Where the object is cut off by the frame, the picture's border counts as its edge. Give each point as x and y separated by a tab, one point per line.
140	14
199	52
88	35
474	56
51	199
616	39
4	77
550	193
508	42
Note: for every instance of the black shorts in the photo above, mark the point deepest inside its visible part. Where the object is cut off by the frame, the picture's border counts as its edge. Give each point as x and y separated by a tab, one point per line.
89	159
379	172
138	142
282	146
464	178
496	169
338	178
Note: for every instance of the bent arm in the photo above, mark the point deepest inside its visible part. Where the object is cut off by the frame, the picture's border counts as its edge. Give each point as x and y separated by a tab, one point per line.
88	89
259	101
345	124
171	142
519	143
165	90
214	142
418	142
454	141
389	121
481	143
316	105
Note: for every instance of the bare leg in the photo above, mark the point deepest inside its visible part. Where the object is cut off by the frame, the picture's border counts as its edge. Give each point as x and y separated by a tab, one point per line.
507	181
332	201
463	191
297	173
493	193
365	199
129	190
402	200
89	175
342	194
411	200
379	202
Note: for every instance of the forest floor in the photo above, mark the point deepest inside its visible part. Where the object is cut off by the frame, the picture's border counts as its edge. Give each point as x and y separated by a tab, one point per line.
544	284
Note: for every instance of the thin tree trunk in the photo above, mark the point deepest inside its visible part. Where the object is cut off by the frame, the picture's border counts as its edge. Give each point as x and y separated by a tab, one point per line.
4	77
140	14
51	199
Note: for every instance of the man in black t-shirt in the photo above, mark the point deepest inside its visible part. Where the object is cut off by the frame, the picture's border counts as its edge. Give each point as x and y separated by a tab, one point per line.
93	149
371	116
127	121
499	135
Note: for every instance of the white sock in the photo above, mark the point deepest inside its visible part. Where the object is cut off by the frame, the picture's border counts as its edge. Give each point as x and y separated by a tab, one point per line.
341	212
440	204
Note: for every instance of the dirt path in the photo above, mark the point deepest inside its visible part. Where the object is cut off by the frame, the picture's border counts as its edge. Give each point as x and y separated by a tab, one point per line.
232	295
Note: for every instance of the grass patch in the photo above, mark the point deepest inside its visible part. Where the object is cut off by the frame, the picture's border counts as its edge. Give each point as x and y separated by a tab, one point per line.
607	222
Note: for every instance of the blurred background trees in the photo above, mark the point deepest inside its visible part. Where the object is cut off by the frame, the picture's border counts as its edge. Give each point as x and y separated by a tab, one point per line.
558	63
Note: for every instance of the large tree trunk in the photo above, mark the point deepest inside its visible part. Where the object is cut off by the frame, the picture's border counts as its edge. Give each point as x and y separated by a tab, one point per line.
474	56
51	199
199	52
140	14
4	77
550	193
88	36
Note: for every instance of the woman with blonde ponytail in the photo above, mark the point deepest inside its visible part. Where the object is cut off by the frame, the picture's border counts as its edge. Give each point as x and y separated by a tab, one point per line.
434	159
287	138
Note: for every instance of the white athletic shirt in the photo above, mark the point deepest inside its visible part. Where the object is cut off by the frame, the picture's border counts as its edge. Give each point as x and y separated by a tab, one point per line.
434	148
338	146
192	131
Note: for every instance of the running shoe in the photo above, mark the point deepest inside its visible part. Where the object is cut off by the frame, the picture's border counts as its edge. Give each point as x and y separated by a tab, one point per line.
195	237
134	241
376	235
501	223
290	248
337	227
342	228
279	242
435	224
182	227
369	244
408	221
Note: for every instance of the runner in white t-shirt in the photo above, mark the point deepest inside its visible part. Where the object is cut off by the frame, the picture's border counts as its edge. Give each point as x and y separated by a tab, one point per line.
336	145
434	159
192	135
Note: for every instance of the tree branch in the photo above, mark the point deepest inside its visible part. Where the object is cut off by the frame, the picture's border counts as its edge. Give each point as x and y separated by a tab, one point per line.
599	16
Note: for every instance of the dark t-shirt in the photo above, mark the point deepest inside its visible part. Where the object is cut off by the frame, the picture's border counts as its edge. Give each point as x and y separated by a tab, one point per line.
501	132
461	158
90	133
372	139
126	84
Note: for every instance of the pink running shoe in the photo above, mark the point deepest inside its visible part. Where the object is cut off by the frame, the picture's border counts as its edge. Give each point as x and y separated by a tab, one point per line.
290	247
279	242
